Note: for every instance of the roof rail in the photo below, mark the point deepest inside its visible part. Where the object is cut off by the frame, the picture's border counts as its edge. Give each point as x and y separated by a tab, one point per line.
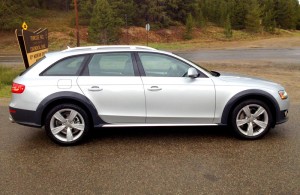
109	47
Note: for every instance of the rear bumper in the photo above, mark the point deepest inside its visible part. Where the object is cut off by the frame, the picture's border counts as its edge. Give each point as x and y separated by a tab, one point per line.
24	117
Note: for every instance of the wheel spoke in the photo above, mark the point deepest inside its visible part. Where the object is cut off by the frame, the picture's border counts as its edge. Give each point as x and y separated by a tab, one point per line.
262	124
79	127
72	115
250	129
58	129
259	112
246	109
59	117
69	134
241	122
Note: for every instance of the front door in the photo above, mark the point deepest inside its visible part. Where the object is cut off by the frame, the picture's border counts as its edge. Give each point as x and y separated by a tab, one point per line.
171	96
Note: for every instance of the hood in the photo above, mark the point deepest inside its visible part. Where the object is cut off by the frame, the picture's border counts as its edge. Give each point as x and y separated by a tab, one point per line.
236	79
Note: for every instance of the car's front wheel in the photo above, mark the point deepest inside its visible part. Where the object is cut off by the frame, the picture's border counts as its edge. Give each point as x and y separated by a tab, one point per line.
251	119
67	124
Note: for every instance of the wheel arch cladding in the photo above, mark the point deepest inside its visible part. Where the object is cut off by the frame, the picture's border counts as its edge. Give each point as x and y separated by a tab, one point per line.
251	94
68	98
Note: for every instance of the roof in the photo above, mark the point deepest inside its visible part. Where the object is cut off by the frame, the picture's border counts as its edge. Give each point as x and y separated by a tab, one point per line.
109	47
95	49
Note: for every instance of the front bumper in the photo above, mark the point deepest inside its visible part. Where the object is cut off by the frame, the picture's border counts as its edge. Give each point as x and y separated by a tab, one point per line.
282	117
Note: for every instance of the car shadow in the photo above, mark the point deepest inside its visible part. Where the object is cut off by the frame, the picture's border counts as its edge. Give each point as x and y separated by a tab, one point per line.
161	132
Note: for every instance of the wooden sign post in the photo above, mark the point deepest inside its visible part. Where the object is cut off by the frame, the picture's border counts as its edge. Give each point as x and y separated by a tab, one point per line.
33	45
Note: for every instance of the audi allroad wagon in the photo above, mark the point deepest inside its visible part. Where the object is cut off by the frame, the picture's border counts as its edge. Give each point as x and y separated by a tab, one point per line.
77	89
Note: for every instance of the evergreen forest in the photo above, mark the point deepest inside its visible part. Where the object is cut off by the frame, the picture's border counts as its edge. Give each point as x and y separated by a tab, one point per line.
104	18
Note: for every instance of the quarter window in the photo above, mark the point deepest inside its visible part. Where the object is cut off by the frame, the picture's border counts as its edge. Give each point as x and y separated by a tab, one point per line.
111	64
66	67
158	65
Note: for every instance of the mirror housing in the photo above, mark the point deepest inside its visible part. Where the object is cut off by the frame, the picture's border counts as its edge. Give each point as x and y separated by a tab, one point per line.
192	72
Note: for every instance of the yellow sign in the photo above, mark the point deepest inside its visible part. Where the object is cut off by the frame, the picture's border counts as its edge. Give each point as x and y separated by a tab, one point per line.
24	26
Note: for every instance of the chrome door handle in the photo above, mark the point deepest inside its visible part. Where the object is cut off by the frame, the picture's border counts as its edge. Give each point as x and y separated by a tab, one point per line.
154	88
95	88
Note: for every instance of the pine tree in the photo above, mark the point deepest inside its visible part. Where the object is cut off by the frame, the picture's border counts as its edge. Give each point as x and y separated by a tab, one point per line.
268	20
223	13
238	17
287	13
253	21
85	12
298	21
103	26
227	28
189	27
125	9
199	18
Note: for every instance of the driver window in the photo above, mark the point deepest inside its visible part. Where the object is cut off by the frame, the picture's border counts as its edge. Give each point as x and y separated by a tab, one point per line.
159	65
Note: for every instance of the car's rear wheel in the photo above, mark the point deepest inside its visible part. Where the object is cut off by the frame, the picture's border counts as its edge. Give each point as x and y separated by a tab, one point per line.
67	124
251	119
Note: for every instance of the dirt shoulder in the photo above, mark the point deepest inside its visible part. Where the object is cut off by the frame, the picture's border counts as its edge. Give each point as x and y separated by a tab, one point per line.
275	42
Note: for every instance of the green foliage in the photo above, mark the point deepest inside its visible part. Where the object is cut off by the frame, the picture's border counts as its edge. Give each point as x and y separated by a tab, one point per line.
253	21
238	11
104	26
85	12
10	17
227	28
244	14
200	21
125	10
298	22
189	24
268	20
287	13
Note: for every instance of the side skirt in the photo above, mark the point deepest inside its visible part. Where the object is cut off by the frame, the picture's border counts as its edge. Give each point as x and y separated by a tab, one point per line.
155	125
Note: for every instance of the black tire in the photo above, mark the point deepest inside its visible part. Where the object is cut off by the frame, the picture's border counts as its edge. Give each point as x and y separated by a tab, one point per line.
65	131
248	112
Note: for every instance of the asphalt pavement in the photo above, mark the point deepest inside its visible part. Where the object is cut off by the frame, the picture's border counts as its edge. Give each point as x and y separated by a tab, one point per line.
186	160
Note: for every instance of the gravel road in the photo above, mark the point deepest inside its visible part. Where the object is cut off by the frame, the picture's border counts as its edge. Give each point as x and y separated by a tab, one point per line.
282	55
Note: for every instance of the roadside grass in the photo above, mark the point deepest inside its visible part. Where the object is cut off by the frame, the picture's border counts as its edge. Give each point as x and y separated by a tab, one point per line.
7	75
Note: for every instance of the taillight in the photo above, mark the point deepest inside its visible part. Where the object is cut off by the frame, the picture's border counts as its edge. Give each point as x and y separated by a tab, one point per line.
17	88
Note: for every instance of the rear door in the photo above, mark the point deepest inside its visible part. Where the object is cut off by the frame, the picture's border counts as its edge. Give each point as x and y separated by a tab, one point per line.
112	83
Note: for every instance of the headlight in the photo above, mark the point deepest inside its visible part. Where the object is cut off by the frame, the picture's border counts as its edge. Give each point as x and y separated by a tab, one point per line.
283	94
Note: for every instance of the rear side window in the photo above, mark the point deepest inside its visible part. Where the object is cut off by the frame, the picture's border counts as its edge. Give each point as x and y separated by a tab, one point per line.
111	64
66	67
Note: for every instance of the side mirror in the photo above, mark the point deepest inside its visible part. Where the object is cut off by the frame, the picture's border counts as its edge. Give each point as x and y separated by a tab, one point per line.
192	72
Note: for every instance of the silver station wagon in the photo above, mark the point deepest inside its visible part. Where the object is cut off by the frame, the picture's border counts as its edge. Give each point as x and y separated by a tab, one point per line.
72	91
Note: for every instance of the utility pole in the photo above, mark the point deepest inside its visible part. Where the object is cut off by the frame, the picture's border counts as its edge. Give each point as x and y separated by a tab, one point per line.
126	20
77	27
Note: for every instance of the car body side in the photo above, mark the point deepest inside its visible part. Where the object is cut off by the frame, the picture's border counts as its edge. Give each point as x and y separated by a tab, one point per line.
228	90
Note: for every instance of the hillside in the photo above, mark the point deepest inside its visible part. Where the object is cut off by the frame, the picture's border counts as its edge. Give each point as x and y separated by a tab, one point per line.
62	34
